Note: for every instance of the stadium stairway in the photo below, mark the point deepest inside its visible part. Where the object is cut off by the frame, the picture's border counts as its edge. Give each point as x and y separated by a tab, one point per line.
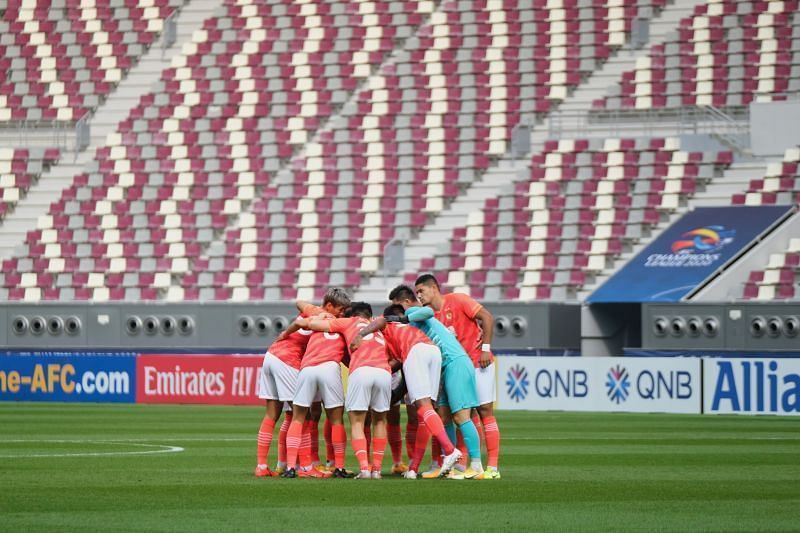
107	116
510	169
734	180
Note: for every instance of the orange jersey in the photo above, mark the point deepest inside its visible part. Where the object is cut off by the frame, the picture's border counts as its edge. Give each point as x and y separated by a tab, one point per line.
323	347
290	350
400	338
371	352
458	315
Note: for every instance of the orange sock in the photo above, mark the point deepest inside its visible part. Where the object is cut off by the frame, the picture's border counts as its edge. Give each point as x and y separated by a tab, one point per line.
395	442
287	421
461	445
492	440
264	439
304	453
360	449
338	443
420	446
293	440
476	419
368	436
436	452
378	449
315	442
435	427
411	439
330	453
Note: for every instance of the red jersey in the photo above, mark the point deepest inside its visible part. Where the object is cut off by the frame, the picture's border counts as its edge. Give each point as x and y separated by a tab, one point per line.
290	349
458	315
371	352
400	338
323	347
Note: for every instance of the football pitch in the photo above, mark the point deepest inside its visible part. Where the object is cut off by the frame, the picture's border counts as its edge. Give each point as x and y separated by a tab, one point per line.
190	468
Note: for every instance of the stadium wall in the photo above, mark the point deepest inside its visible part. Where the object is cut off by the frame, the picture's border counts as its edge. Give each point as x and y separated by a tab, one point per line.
237	326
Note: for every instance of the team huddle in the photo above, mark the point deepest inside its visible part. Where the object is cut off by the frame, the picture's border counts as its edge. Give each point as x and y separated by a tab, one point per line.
431	350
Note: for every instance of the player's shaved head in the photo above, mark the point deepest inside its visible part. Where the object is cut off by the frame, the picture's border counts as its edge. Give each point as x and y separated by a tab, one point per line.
427	279
336	296
362	309
394	310
402	292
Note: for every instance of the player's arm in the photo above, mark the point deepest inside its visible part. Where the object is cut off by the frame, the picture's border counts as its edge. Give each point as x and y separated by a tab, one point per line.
419	314
318	324
379	324
303	306
298	324
486	318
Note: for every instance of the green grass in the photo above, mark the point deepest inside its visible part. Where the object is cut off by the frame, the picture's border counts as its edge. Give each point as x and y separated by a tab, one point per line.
561	471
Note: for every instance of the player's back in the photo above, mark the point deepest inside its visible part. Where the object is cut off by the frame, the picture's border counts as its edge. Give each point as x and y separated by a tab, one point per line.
291	348
322	348
457	314
422	317
400	338
371	351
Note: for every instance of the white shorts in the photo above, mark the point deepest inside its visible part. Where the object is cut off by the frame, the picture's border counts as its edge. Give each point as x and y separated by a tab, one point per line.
486	384
277	380
423	371
369	388
323	382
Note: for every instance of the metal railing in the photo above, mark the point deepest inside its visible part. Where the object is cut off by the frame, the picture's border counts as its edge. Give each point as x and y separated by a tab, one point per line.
731	124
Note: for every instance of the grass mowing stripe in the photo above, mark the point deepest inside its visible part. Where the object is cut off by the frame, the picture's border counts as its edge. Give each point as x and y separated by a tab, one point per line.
565	471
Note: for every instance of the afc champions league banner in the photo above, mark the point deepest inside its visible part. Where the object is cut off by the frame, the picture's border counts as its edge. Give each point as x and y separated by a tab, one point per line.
642	385
687	253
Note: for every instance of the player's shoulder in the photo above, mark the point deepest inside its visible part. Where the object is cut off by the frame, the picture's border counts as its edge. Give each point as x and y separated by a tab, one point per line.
459	298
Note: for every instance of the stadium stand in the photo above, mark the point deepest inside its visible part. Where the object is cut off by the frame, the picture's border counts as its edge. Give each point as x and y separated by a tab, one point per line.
289	143
586	201
59	60
19	168
729	53
781	186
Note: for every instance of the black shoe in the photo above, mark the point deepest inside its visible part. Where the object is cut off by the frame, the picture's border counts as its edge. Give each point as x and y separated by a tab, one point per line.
291	472
341	473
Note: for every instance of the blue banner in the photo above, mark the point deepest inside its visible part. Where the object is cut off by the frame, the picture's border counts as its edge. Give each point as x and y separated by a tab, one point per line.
68	377
687	253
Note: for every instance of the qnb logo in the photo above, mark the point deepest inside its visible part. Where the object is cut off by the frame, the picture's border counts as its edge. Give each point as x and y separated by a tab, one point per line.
706	240
517	382
618	384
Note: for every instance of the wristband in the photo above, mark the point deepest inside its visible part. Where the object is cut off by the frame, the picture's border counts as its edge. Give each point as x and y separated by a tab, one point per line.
486	347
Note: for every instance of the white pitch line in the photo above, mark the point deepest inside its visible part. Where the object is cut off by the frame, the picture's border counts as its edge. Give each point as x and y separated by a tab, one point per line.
162	448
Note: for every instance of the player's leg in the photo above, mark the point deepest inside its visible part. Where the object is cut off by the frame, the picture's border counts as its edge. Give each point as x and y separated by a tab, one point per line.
315	416
411	429
277	383
380	400
335	416
305	393
294	438
282	433
486	384
395	437
459	382
331	392
357	406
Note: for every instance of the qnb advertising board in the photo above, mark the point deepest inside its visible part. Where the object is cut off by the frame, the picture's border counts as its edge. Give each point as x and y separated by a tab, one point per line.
688	253
751	386
653	384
